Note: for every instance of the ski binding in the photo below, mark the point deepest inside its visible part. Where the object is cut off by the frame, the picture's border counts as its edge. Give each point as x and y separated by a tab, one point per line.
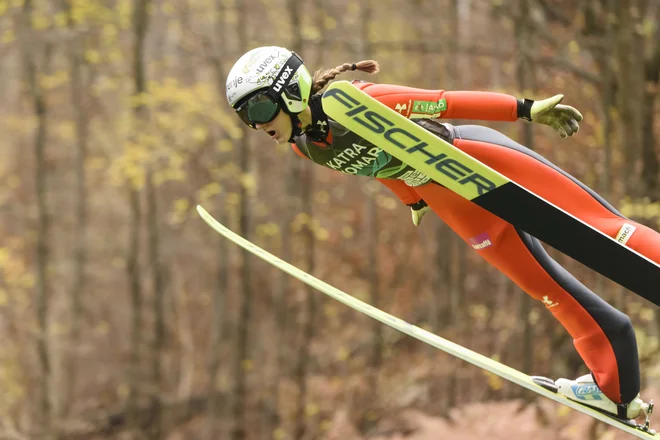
549	385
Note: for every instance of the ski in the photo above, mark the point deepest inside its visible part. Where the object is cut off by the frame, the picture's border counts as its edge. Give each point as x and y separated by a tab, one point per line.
542	388
470	178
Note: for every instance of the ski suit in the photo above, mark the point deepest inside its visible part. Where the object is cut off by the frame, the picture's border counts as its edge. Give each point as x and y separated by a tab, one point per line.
602	335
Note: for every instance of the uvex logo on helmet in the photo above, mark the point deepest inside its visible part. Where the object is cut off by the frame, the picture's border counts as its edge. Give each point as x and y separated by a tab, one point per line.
265	63
283	79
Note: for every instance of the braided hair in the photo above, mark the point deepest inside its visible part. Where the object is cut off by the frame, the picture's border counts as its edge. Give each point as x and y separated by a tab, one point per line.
322	77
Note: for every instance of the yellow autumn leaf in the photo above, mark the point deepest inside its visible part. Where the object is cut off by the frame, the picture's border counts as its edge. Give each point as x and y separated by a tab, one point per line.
115	56
27	281
646	314
92	56
102	328
110	32
124	9
311	410
330	310
233	198
168	8
479	311
310	32
494	382
61	19
77	14
386	202
55	80
209	190
177	175
322	197
329	22
563	411
40	22
224	145
347	232
200	133
123	390
159	177
8	36
322	234
248	181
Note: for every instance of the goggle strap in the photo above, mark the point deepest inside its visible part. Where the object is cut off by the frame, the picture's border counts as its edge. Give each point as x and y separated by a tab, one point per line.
279	84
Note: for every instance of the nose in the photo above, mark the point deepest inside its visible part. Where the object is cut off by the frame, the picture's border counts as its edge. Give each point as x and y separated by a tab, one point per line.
259	125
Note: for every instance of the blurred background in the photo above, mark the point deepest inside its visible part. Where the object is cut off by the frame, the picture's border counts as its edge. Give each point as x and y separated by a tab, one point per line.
124	316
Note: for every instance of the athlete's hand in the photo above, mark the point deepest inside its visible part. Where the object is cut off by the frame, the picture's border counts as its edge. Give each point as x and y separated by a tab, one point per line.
418	210
562	118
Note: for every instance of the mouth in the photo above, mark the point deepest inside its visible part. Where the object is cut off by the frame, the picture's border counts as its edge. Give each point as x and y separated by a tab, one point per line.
272	133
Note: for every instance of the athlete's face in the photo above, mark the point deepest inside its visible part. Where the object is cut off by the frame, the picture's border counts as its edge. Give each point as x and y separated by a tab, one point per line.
279	129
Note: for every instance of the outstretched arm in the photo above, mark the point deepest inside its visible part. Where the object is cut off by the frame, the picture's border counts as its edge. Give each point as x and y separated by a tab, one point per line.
485	106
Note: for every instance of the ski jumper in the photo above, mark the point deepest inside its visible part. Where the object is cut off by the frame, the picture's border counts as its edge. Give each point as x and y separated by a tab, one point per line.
602	335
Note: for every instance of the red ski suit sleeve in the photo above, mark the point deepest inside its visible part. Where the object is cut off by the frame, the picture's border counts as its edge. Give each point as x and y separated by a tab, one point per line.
484	106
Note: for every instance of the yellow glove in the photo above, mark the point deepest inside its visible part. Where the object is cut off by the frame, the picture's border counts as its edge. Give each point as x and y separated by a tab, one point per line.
562	118
418	210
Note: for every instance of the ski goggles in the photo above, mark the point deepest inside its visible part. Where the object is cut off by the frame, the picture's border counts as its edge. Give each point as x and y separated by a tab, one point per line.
258	109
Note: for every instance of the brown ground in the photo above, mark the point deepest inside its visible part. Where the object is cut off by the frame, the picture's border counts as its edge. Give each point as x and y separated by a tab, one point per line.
545	420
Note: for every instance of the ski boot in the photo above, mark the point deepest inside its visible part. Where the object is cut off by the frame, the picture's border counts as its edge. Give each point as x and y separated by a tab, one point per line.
585	391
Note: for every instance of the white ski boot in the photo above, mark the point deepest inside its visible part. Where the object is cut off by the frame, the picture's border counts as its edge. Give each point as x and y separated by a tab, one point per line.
585	391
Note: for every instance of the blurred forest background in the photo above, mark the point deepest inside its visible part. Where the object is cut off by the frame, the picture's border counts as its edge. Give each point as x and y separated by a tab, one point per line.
124	316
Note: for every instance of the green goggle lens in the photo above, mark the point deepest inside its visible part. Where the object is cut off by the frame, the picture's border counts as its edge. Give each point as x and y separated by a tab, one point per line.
259	109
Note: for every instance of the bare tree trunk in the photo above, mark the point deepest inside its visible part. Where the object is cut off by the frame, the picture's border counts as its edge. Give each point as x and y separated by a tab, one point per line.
525	74
309	305
628	99
133	274
241	409
158	306
372	226
218	323
650	163
133	264
608	96
433	16
216	410
154	240
78	89
240	394
454	246
31	49
311	300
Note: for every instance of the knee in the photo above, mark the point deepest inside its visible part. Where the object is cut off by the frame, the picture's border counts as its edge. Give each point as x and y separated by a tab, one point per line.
623	328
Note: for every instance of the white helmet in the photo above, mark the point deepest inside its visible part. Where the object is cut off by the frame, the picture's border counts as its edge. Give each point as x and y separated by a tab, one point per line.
276	72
